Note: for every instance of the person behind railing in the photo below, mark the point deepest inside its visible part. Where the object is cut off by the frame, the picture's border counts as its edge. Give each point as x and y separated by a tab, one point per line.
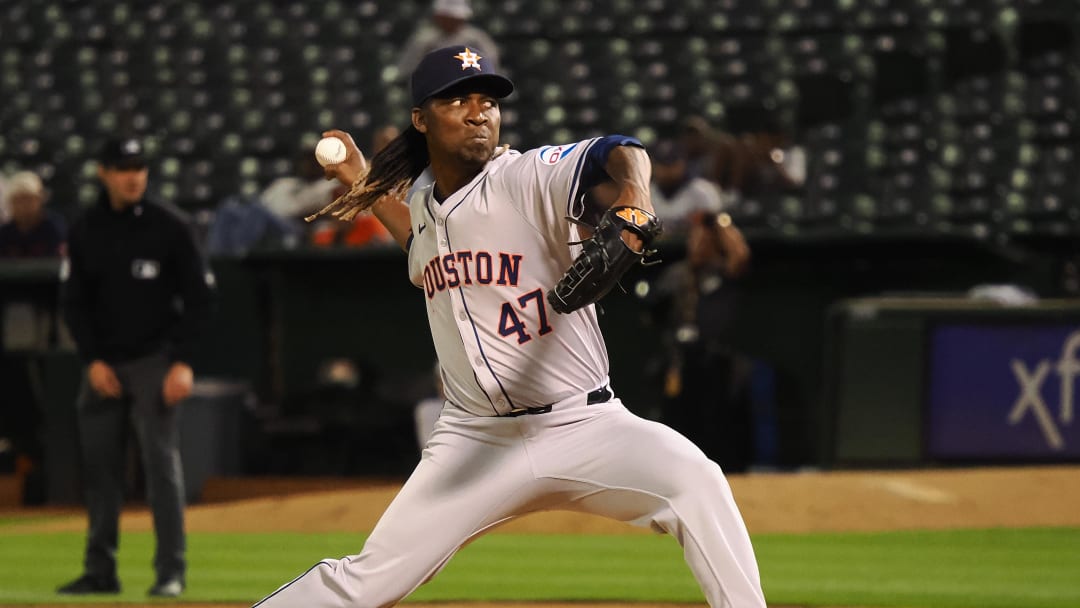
33	230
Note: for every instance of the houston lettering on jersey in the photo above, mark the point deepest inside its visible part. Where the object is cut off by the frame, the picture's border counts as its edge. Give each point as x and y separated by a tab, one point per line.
465	268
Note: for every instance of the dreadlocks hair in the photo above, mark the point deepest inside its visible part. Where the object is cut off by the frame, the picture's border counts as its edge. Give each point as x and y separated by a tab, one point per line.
391	172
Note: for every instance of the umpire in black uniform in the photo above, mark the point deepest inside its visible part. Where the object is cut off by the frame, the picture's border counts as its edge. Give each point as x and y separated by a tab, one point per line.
136	294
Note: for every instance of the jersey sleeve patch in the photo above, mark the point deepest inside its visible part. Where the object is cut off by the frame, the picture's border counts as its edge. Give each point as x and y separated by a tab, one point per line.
550	155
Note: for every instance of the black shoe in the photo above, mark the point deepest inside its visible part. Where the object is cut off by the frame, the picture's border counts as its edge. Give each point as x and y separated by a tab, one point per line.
89	583
169	587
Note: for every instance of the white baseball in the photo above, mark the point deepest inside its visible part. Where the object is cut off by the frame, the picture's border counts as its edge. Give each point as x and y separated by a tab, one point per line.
330	151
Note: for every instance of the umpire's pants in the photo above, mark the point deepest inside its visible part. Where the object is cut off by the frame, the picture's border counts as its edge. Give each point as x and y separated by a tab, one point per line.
103	431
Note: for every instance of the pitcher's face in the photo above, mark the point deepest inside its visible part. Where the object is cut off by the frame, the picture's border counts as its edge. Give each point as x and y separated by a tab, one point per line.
463	126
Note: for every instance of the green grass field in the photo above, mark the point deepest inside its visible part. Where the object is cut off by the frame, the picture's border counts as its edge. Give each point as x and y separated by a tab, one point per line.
1000	568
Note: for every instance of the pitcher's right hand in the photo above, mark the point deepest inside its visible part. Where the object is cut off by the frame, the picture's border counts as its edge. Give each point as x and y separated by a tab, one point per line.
354	164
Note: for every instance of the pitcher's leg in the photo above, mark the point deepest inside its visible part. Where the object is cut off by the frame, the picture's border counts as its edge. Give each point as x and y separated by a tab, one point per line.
465	483
637	470
705	520
102	436
159	438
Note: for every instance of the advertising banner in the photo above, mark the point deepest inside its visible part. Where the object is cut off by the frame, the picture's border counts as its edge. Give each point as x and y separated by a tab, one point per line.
1004	392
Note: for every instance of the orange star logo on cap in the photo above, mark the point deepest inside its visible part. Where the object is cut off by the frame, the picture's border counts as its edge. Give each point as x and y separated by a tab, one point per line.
469	59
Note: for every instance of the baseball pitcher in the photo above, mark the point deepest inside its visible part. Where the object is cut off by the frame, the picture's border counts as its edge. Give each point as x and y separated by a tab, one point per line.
530	421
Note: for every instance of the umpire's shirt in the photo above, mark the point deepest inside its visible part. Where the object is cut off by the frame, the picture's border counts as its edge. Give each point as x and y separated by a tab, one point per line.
135	284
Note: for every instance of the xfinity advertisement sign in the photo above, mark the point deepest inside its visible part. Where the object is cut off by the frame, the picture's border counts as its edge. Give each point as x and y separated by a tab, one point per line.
1003	392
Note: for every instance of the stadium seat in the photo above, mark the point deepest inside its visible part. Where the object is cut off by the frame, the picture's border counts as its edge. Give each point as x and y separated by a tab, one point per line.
902	73
887	15
969	13
1062	11
1046	43
1041	188
263	74
754	213
979	158
838	166
734	16
973	51
811	15
1051	102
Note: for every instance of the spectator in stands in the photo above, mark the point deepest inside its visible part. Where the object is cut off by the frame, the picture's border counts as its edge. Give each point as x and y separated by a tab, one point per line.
699	140
27	324
33	231
705	381
449	26
305	191
136	295
675	192
274	219
757	163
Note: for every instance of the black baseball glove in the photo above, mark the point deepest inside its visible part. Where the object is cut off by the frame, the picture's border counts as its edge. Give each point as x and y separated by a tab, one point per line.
604	258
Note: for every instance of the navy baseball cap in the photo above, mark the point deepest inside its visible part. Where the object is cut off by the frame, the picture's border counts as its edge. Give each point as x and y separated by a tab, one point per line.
449	66
123	153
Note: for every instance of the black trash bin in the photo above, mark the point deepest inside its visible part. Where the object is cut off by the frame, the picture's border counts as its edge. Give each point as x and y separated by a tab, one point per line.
213	431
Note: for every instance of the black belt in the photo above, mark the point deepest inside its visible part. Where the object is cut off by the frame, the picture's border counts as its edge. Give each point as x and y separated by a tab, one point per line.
600	395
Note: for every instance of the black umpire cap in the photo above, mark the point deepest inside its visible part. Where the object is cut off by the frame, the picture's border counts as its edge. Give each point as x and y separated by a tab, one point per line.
443	68
122	153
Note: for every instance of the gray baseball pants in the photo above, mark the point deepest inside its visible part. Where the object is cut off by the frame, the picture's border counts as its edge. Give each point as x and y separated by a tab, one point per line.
478	472
103	432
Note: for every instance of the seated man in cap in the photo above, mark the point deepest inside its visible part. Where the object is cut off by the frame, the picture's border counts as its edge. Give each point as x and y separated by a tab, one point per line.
28	318
33	231
131	262
675	192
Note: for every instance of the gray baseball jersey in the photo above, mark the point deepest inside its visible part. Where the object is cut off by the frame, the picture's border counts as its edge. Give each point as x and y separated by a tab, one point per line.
485	257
